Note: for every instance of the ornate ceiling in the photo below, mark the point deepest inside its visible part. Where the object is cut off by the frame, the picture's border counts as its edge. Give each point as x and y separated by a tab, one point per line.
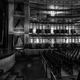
66	3
59	2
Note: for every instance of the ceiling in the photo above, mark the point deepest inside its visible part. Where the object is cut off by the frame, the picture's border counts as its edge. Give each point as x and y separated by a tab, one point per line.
66	3
47	3
58	2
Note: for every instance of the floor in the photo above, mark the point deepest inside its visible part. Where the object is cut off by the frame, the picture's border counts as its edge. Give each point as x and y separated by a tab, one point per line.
28	68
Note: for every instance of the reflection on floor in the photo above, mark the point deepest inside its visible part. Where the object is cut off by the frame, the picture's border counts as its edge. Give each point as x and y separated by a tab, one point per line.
29	68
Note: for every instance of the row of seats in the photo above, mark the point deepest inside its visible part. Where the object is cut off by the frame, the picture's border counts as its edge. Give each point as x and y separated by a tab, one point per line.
62	57
43	46
71	51
38	46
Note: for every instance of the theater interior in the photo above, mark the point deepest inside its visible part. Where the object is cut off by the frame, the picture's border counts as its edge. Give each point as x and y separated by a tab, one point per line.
39	39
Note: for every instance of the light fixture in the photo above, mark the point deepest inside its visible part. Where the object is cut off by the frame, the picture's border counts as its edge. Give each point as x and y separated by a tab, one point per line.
57	7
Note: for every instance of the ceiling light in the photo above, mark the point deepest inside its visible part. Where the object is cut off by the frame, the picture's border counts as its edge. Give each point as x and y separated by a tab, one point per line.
57	7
